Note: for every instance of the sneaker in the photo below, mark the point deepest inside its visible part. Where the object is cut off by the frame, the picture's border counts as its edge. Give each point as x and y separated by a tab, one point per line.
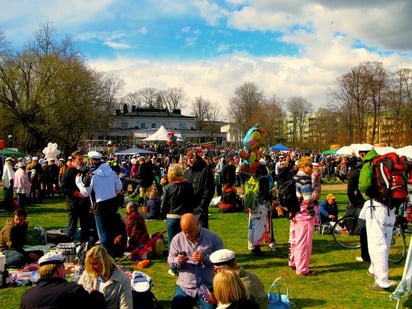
392	283
171	273
370	274
309	273
272	246
377	288
257	252
359	259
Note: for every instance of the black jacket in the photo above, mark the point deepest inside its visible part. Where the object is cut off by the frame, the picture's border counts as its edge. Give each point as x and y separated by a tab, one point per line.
354	195
229	175
177	199
201	177
55	292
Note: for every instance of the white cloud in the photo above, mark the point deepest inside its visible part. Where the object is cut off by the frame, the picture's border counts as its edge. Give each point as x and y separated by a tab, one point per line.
142	30
216	79
116	45
211	12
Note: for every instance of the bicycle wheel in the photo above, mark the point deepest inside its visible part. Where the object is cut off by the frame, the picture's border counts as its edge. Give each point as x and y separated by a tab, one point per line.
345	232
397	252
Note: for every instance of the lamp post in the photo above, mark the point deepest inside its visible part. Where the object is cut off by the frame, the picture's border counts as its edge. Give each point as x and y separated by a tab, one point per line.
10	142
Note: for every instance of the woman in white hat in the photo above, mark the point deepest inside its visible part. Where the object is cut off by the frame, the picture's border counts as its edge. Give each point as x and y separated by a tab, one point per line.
22	184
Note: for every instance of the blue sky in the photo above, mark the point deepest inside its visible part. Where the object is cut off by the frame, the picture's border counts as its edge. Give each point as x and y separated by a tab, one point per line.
208	48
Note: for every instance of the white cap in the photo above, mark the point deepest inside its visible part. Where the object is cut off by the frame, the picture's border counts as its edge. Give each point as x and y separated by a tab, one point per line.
94	155
222	257
35	158
140	282
21	164
9	159
51	257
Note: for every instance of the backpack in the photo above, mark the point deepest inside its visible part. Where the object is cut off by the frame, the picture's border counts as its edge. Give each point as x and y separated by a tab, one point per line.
143	297
389	178
287	197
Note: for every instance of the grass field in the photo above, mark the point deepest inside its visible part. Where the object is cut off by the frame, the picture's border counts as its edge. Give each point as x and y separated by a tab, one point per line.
340	282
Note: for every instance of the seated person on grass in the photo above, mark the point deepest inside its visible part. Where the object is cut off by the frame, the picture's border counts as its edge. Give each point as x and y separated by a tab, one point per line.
328	209
13	238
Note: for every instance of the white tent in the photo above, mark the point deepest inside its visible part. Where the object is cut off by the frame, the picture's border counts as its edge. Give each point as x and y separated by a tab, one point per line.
161	135
384	150
134	151
405	151
353	148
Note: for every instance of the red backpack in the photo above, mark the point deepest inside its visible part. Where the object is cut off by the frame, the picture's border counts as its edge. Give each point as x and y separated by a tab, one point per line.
389	172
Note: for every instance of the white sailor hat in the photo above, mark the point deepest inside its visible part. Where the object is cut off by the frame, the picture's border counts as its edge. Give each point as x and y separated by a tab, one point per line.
222	257
94	155
51	257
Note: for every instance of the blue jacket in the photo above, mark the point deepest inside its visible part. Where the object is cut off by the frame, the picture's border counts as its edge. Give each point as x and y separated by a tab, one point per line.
325	210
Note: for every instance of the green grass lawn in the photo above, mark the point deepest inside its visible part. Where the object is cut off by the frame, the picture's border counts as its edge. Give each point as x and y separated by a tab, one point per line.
340	282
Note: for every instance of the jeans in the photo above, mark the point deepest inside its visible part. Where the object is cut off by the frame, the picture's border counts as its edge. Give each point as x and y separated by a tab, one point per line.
173	227
104	230
183	301
14	258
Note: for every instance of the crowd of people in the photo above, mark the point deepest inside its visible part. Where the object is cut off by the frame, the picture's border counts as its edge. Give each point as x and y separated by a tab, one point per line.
179	189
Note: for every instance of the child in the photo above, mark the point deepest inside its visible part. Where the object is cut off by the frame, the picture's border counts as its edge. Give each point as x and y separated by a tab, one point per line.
153	205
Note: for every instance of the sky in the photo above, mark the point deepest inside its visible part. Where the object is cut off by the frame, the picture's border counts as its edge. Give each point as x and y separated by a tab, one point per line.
209	48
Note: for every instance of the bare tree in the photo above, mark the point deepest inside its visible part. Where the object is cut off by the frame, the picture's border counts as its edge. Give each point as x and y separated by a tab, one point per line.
132	99
399	105
299	108
244	104
270	116
200	109
147	97
173	98
377	85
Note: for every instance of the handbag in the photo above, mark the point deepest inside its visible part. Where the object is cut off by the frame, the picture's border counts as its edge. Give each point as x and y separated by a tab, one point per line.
276	299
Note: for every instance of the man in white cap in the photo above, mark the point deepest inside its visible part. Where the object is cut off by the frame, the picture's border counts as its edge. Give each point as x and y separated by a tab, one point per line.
226	259
189	253
35	177
53	291
106	185
8	179
78	205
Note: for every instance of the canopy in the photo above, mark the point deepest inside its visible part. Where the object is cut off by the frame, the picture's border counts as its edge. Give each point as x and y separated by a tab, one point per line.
353	148
384	150
161	135
405	151
330	151
279	147
11	152
134	151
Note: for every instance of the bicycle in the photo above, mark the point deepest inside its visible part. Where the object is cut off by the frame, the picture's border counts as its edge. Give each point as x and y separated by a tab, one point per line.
346	233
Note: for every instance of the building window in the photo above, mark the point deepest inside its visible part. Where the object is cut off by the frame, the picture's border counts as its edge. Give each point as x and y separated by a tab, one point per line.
153	126
143	125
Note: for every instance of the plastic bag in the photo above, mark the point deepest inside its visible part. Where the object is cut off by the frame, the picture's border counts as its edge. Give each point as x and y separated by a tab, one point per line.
276	299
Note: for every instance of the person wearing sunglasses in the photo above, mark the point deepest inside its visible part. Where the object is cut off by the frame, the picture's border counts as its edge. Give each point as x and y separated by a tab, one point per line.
302	224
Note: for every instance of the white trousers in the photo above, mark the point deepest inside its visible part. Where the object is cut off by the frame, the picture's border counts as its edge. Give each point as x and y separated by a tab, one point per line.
256	226
379	228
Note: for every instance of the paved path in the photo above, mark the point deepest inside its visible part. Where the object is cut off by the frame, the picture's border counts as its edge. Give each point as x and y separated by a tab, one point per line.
338	186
